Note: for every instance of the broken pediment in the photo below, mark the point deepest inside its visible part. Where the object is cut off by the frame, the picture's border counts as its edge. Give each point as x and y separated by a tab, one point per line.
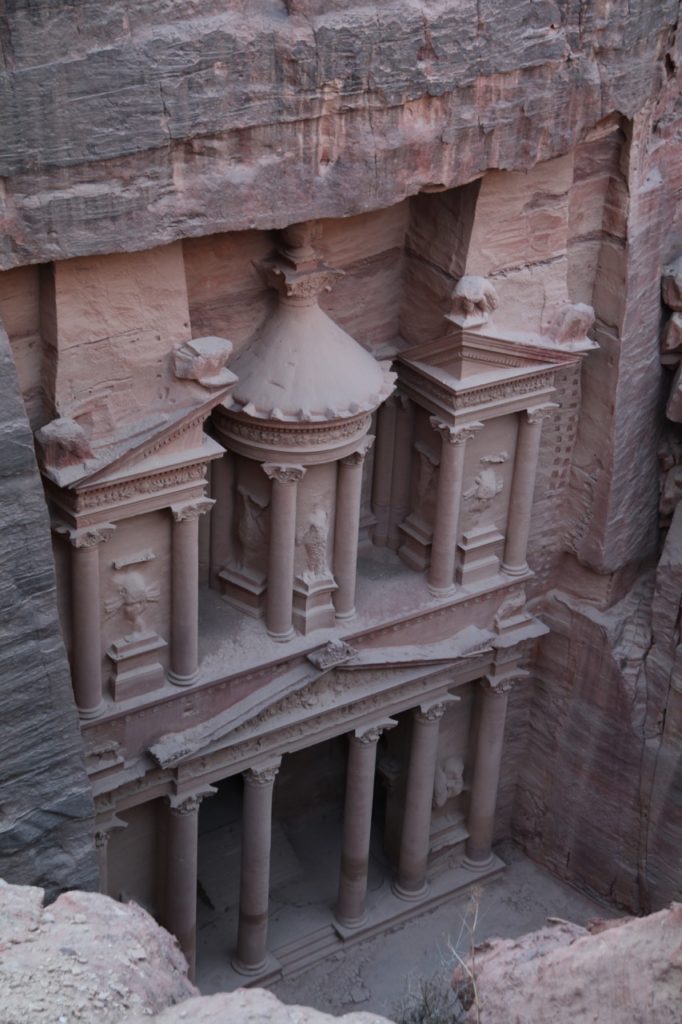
465	372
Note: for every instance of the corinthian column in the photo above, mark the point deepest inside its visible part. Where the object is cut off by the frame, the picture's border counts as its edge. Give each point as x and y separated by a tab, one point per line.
351	911
448	499
282	549
522	488
184	645
254	888
180	904
421	774
86	616
494	695
347	527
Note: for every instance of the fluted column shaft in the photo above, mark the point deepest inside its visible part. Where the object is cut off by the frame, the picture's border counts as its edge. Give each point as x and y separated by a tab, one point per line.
421	773
357	825
180	904
494	696
254	888
522	488
448	500
184	645
86	616
347	528
282	549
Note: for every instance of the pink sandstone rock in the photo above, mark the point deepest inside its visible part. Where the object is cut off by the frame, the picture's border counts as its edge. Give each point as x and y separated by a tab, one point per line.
83	958
629	970
249	1006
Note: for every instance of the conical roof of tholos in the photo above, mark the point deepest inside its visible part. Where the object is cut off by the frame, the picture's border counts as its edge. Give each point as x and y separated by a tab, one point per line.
303	366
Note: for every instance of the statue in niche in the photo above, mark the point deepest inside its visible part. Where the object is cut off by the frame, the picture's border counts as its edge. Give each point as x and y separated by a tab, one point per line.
251	528
426	481
133	596
485	488
313	539
449	780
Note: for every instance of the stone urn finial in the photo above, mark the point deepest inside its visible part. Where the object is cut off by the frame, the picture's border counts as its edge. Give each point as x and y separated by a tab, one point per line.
473	299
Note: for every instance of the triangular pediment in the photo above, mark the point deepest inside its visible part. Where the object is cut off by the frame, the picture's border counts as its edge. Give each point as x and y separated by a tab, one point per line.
309	691
160	440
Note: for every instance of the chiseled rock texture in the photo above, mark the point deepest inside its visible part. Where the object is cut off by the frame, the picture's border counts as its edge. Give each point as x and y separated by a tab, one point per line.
46	808
627	971
126	126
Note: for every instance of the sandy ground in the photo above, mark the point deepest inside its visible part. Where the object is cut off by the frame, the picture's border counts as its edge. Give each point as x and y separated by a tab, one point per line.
380	973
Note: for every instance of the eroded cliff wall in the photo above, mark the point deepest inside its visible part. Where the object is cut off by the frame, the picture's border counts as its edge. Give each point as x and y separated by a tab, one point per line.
128	126
46	807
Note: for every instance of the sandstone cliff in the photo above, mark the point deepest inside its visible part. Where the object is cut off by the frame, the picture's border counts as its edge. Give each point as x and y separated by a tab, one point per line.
46	807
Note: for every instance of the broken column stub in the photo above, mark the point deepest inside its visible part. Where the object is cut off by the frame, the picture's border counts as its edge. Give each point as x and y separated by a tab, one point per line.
303	405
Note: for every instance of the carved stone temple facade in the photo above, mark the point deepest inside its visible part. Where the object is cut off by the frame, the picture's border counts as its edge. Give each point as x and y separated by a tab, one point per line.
306	542
337	330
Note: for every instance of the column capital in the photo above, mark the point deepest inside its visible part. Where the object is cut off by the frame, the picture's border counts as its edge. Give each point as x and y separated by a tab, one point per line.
85	536
455	435
262	775
358	456
498	686
283	473
538	413
188	803
367	734
191	509
433	711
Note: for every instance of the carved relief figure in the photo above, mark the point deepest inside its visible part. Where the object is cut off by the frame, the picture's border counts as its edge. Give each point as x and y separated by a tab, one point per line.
485	488
251	527
449	780
426	481
133	596
314	542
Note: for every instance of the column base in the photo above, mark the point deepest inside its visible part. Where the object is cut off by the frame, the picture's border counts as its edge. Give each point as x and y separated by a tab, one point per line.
282	637
441	592
345	615
478	865
249	970
515	570
87	713
411	895
178	680
341	924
